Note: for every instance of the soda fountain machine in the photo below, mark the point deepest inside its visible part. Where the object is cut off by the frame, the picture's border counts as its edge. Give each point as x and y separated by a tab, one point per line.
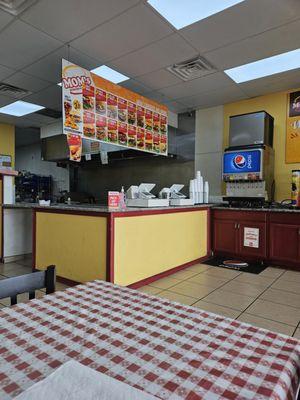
248	162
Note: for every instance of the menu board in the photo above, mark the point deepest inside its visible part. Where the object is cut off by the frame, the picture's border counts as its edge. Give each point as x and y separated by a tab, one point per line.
97	109
293	128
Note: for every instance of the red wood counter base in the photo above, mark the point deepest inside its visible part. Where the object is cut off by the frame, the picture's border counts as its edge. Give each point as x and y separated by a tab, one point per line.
111	219
279	236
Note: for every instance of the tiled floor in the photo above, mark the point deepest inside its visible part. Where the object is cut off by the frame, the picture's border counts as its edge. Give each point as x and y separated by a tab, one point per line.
270	300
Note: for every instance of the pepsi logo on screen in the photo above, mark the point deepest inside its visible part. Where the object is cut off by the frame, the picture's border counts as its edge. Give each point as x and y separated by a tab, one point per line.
239	161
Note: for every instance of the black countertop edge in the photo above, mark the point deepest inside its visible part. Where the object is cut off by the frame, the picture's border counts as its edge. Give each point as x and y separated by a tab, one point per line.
282	210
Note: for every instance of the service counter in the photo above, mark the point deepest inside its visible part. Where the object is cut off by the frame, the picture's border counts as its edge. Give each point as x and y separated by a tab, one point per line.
132	247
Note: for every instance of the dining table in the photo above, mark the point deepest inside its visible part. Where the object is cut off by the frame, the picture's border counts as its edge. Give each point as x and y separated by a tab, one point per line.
166	349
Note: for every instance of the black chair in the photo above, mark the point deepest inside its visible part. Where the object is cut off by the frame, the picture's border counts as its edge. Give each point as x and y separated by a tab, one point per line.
28	283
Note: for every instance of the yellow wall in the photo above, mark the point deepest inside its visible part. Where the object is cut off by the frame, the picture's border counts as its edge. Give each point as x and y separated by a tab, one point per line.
276	105
148	245
7	141
75	244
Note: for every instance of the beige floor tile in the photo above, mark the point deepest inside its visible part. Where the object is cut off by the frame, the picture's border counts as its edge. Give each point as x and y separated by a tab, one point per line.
215	308
199	268
243	288
179	298
289	286
229	299
23	298
165	283
2	277
282	297
297	334
191	289
15	271
266	324
254	279
207	280
272	272
276	312
2	305
149	289
26	261
293	276
184	274
222	273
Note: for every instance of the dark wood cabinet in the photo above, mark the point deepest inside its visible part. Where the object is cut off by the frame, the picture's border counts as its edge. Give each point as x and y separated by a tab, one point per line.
258	250
278	239
229	234
224	237
284	242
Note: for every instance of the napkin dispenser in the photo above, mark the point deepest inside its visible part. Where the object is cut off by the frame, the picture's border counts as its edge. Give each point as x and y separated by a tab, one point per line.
141	196
177	198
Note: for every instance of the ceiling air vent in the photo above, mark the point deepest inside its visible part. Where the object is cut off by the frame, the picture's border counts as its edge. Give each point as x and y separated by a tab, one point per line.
13	91
15	7
192	69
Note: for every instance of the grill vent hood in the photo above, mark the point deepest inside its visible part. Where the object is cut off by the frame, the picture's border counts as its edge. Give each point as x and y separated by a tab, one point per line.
192	69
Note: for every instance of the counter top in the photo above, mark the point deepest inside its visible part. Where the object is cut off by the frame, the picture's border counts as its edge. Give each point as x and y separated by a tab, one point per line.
98	208
282	210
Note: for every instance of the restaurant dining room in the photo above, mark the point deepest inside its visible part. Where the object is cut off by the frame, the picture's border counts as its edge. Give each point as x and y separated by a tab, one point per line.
150	199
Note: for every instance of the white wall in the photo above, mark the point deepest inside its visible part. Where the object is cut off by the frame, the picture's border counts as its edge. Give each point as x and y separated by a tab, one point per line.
209	146
29	158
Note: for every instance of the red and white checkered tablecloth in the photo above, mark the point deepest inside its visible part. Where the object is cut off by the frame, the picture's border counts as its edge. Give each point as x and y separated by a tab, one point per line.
169	350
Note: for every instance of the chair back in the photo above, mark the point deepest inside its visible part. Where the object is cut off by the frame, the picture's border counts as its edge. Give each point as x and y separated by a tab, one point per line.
28	283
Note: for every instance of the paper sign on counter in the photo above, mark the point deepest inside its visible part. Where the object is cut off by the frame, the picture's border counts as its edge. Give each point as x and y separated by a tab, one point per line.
251	237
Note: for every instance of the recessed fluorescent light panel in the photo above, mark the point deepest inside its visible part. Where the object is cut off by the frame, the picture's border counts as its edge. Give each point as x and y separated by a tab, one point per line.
267	66
20	108
110	74
181	13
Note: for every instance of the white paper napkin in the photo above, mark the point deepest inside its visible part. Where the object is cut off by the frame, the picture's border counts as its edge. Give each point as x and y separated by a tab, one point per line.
74	381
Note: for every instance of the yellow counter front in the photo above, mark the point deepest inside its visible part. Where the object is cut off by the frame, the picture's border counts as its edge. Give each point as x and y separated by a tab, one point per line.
132	247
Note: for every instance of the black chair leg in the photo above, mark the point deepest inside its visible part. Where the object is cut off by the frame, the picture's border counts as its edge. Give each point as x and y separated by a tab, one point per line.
13	300
32	295
50	279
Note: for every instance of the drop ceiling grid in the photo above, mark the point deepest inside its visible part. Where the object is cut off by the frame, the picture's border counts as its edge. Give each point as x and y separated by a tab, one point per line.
279	16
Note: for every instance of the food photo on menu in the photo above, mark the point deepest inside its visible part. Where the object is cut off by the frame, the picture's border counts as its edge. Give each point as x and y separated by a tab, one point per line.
156	122
122	110
132	136
112	106
88	98
112	130
131	113
148	120
122	133
101	128
148	141
75	146
101	101
140	138
163	124
156	142
72	113
89	124
163	144
140	116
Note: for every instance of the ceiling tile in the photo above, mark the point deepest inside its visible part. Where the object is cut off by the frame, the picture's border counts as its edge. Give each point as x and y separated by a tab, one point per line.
5	19
135	86
21	44
159	79
69	19
163	53
215	97
267	44
130	31
27	82
49	97
50	66
4	100
241	21
175	106
196	86
274	83
5	72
